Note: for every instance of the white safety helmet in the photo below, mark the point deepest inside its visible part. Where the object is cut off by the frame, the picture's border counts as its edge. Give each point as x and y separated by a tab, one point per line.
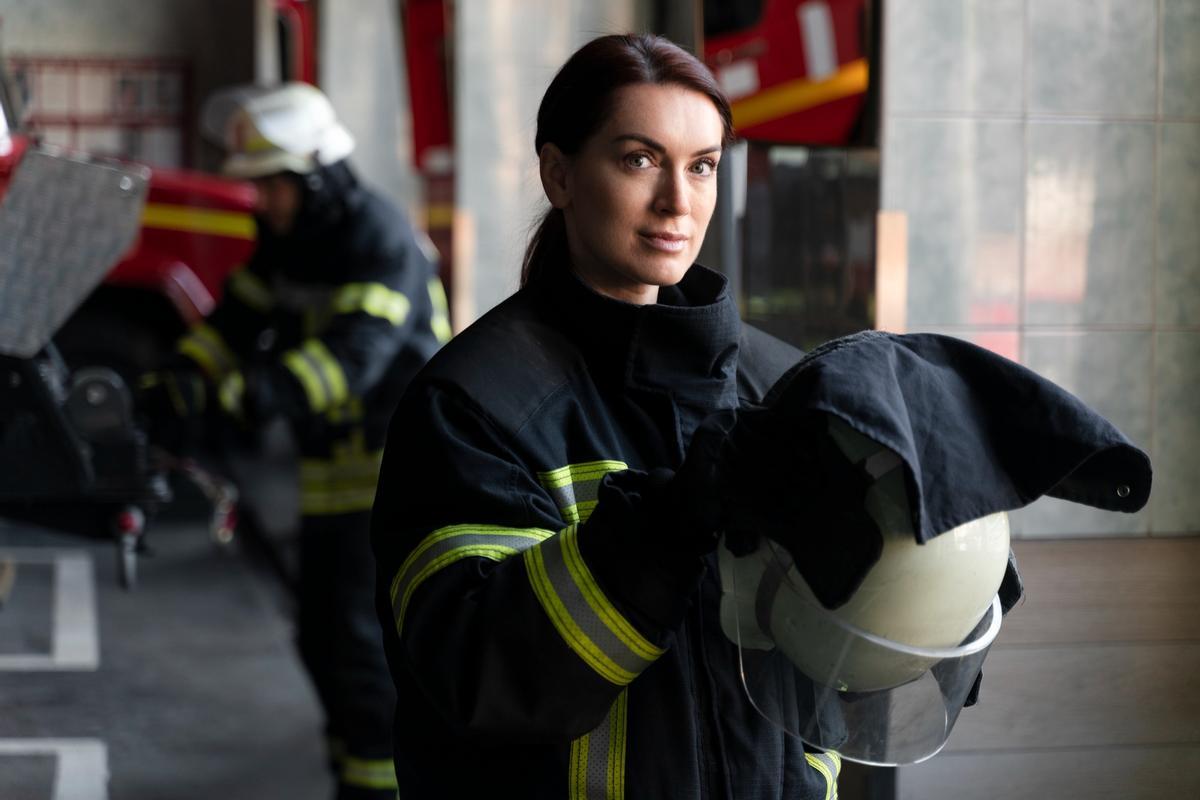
880	679
267	130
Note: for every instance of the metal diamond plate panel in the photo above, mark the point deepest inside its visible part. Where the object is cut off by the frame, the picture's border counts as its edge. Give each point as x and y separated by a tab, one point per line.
64	223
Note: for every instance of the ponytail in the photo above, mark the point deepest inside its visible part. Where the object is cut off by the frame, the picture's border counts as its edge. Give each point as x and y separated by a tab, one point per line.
547	247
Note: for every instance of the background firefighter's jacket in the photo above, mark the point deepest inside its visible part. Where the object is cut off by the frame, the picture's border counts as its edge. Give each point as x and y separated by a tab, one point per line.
327	324
544	645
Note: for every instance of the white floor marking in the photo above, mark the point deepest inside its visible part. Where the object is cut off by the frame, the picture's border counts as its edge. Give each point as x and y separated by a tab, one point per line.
75	643
81	770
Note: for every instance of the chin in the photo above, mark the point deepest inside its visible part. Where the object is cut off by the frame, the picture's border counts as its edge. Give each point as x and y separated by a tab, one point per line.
670	272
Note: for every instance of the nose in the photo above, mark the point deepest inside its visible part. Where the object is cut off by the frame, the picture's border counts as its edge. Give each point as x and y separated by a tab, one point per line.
672	196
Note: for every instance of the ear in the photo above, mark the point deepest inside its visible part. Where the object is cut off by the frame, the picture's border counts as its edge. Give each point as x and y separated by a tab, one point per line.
555	169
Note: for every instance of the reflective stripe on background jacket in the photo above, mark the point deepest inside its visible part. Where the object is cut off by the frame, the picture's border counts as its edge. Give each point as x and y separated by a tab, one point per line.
340	314
539	650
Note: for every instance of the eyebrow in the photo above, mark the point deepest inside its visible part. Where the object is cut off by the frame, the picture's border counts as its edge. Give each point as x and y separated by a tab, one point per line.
653	145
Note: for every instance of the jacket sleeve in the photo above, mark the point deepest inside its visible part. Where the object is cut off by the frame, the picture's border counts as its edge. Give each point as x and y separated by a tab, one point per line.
509	620
369	318
216	343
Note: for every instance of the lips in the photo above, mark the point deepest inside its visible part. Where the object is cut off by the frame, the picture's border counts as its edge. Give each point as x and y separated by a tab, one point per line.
664	241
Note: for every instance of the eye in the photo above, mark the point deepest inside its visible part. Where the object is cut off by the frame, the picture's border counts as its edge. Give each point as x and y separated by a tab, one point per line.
638	160
704	167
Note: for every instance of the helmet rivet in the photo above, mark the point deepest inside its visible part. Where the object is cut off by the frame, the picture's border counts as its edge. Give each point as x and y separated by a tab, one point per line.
1122	491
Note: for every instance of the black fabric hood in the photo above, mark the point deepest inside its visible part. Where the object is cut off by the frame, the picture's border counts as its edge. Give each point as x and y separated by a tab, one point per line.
977	432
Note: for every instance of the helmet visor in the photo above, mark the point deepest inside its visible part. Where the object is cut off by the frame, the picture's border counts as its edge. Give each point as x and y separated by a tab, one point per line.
834	685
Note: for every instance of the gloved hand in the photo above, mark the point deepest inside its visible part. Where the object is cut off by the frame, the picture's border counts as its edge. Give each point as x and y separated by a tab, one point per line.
761	473
173	403
247	396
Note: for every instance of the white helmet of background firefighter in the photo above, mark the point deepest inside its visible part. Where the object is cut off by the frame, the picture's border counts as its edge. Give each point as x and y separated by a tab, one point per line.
268	130
883	676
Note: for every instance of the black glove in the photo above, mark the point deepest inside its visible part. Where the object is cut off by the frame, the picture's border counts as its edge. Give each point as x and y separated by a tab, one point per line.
256	395
173	403
764	473
1012	590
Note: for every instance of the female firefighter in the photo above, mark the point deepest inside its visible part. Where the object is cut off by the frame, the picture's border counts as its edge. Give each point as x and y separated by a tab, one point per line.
545	550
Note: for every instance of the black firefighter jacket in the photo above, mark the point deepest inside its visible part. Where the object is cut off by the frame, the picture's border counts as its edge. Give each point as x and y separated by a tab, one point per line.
332	321
540	650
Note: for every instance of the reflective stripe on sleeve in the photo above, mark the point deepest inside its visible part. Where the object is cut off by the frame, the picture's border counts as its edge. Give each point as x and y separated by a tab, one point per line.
341	485
439	322
374	299
585	618
368	773
454	543
830	766
207	348
319	373
249	288
597	767
574	487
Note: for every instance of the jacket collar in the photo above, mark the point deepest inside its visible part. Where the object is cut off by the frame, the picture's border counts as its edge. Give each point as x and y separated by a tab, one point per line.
685	345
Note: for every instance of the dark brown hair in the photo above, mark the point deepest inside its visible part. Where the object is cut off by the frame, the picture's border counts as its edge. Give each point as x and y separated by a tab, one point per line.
580	97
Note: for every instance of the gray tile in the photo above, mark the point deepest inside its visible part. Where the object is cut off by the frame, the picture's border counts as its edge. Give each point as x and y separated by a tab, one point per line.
1004	341
959	182
1070	696
1178	232
1095	774
1181	58
951	55
1175	501
1113	590
1111	371
1093	57
1089	236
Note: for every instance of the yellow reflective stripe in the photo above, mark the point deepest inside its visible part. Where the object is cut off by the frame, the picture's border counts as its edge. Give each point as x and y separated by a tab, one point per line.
600	604
570	631
249	288
445	546
605	745
797	95
377	773
205	346
230	393
575	486
574	473
327	501
319	373
830	766
234	224
616	747
577	608
374	299
439	322
344	484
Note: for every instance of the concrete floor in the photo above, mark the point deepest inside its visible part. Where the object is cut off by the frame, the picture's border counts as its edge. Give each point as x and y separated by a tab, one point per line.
187	687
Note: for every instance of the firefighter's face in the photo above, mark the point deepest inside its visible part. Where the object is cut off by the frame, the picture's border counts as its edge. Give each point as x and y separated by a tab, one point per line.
638	195
278	202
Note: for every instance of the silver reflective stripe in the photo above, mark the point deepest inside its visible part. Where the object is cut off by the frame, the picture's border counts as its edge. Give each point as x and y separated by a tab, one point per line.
575	486
597	766
830	766
586	619
454	543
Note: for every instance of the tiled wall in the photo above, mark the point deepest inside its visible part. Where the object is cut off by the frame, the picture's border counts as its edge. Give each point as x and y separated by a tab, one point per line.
1046	154
506	52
